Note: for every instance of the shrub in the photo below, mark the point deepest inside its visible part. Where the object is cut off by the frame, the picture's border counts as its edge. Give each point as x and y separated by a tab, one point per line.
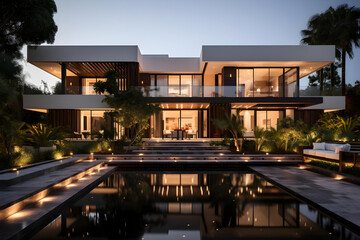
22	158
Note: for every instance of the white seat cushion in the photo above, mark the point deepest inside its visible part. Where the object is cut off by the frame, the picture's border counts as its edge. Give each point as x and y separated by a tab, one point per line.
309	152
332	155
322	153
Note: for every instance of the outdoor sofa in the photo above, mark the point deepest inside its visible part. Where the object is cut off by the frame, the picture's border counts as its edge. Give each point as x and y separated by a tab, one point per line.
332	152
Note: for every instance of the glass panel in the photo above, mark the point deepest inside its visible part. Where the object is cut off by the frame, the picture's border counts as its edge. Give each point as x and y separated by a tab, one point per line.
245	83
97	121
161	89
268	119
291	82
248	119
197	86
85	121
152	80
261	120
88	86
161	80
186	85
174	86
171	120
261	82
276	82
189	120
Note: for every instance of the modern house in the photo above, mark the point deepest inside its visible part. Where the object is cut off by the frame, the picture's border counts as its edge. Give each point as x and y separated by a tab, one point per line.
260	83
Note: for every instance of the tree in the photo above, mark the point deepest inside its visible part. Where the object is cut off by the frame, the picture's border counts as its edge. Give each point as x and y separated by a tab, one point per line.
339	27
259	135
131	110
41	135
234	125
325	81
21	22
26	22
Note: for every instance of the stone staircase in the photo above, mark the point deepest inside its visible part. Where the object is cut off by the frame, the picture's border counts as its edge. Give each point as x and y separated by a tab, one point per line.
193	151
181	148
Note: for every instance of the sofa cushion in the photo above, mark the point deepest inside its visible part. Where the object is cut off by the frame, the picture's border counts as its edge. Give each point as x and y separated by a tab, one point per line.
332	146
319	146
343	147
332	155
322	153
309	152
346	147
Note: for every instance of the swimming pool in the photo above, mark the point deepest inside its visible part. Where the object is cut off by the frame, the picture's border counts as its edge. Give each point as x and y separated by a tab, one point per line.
190	205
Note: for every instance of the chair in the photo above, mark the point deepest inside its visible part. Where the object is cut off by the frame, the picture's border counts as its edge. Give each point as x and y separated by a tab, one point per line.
77	135
191	133
166	133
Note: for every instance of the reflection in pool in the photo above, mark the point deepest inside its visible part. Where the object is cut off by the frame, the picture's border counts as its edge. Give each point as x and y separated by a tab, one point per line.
160	206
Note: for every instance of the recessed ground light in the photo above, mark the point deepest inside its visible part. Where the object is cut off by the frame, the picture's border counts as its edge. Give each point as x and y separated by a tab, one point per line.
140	154
267	153
338	177
221	154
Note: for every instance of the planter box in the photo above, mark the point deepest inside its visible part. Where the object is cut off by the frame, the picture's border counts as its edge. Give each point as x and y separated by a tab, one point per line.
45	149
29	148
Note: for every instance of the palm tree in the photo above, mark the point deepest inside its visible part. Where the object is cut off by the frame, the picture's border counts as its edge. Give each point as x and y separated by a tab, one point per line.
259	134
235	126
41	135
339	27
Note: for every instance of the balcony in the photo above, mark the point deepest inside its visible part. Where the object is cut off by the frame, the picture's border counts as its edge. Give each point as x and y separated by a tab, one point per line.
208	91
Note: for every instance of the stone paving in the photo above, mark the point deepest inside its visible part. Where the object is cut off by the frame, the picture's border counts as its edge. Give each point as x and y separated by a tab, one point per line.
29	219
37	169
21	190
339	197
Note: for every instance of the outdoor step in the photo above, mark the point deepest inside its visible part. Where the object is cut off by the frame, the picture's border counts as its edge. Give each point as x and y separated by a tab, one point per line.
183	147
198	157
16	175
17	196
44	210
179	143
177	151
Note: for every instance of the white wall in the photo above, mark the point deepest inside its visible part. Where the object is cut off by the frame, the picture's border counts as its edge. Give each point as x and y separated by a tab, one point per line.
329	103
64	102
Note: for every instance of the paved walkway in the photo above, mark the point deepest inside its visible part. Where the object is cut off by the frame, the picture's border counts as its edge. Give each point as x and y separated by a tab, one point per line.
21	174
31	218
339	197
19	191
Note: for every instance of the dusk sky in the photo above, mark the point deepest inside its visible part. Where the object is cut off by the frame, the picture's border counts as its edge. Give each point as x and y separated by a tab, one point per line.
179	28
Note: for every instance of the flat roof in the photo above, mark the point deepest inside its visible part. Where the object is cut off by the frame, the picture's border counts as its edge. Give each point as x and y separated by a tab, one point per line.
308	58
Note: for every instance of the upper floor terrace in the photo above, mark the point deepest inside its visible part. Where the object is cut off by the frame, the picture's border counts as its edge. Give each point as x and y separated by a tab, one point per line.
220	71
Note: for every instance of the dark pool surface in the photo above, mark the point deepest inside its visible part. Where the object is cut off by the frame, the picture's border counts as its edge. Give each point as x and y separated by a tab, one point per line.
168	205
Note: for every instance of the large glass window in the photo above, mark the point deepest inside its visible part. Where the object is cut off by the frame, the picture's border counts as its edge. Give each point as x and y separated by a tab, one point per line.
268	119
266	82
245	82
197	86
261	82
186	85
247	117
276	82
88	85
291	86
174	85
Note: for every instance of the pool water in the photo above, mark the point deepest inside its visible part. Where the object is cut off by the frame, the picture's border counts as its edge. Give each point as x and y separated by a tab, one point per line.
207	205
